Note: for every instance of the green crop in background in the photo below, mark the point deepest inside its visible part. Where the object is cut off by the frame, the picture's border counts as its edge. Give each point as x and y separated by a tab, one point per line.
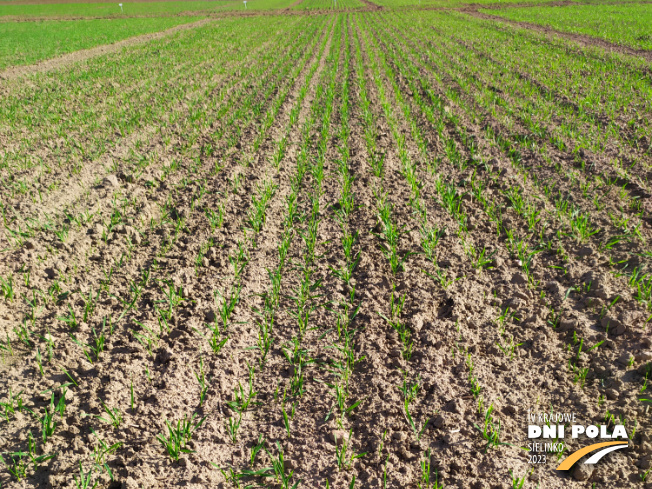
329	4
626	24
446	3
27	42
133	9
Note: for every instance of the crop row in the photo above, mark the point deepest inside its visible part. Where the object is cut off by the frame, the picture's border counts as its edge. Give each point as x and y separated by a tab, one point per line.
146	285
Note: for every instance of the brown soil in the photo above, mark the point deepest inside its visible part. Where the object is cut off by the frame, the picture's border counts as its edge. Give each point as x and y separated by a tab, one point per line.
518	384
59	62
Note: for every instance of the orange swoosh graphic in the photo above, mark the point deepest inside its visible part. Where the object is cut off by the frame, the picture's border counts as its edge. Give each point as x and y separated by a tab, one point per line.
571	459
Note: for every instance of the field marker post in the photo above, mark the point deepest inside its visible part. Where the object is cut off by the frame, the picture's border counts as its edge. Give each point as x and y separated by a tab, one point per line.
245	2
120	5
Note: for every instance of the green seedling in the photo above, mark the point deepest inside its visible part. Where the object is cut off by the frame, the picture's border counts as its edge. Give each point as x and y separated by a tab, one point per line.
480	259
114	416
345	273
230	475
48	424
427	474
381	445
147	337
596	345
17	466
97	346
60	407
417	432
390	234
227	303
283	477
491	430
39	361
403	330
85	480
430	238
260	445
242	400
299	358
215	219
70	319
441	277
7	288
104	450
509	349
36	459
505	316
258	208
518	482
12	404
341	451
286	421
233	425
216	341
203	382
581	226
90	304
62	234
644	475
179	435
5	346
83	346
70	377
265	338
341	393
239	262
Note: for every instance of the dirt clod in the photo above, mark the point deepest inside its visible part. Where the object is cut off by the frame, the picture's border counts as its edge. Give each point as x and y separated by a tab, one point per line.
582	471
111	181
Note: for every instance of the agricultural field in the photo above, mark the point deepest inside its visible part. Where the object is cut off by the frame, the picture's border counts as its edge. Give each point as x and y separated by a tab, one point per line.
103	10
328	4
19	10
467	5
28	42
626	24
312	249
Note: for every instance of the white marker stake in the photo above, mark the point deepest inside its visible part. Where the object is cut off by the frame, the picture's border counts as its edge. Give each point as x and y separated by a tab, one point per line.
245	2
121	7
